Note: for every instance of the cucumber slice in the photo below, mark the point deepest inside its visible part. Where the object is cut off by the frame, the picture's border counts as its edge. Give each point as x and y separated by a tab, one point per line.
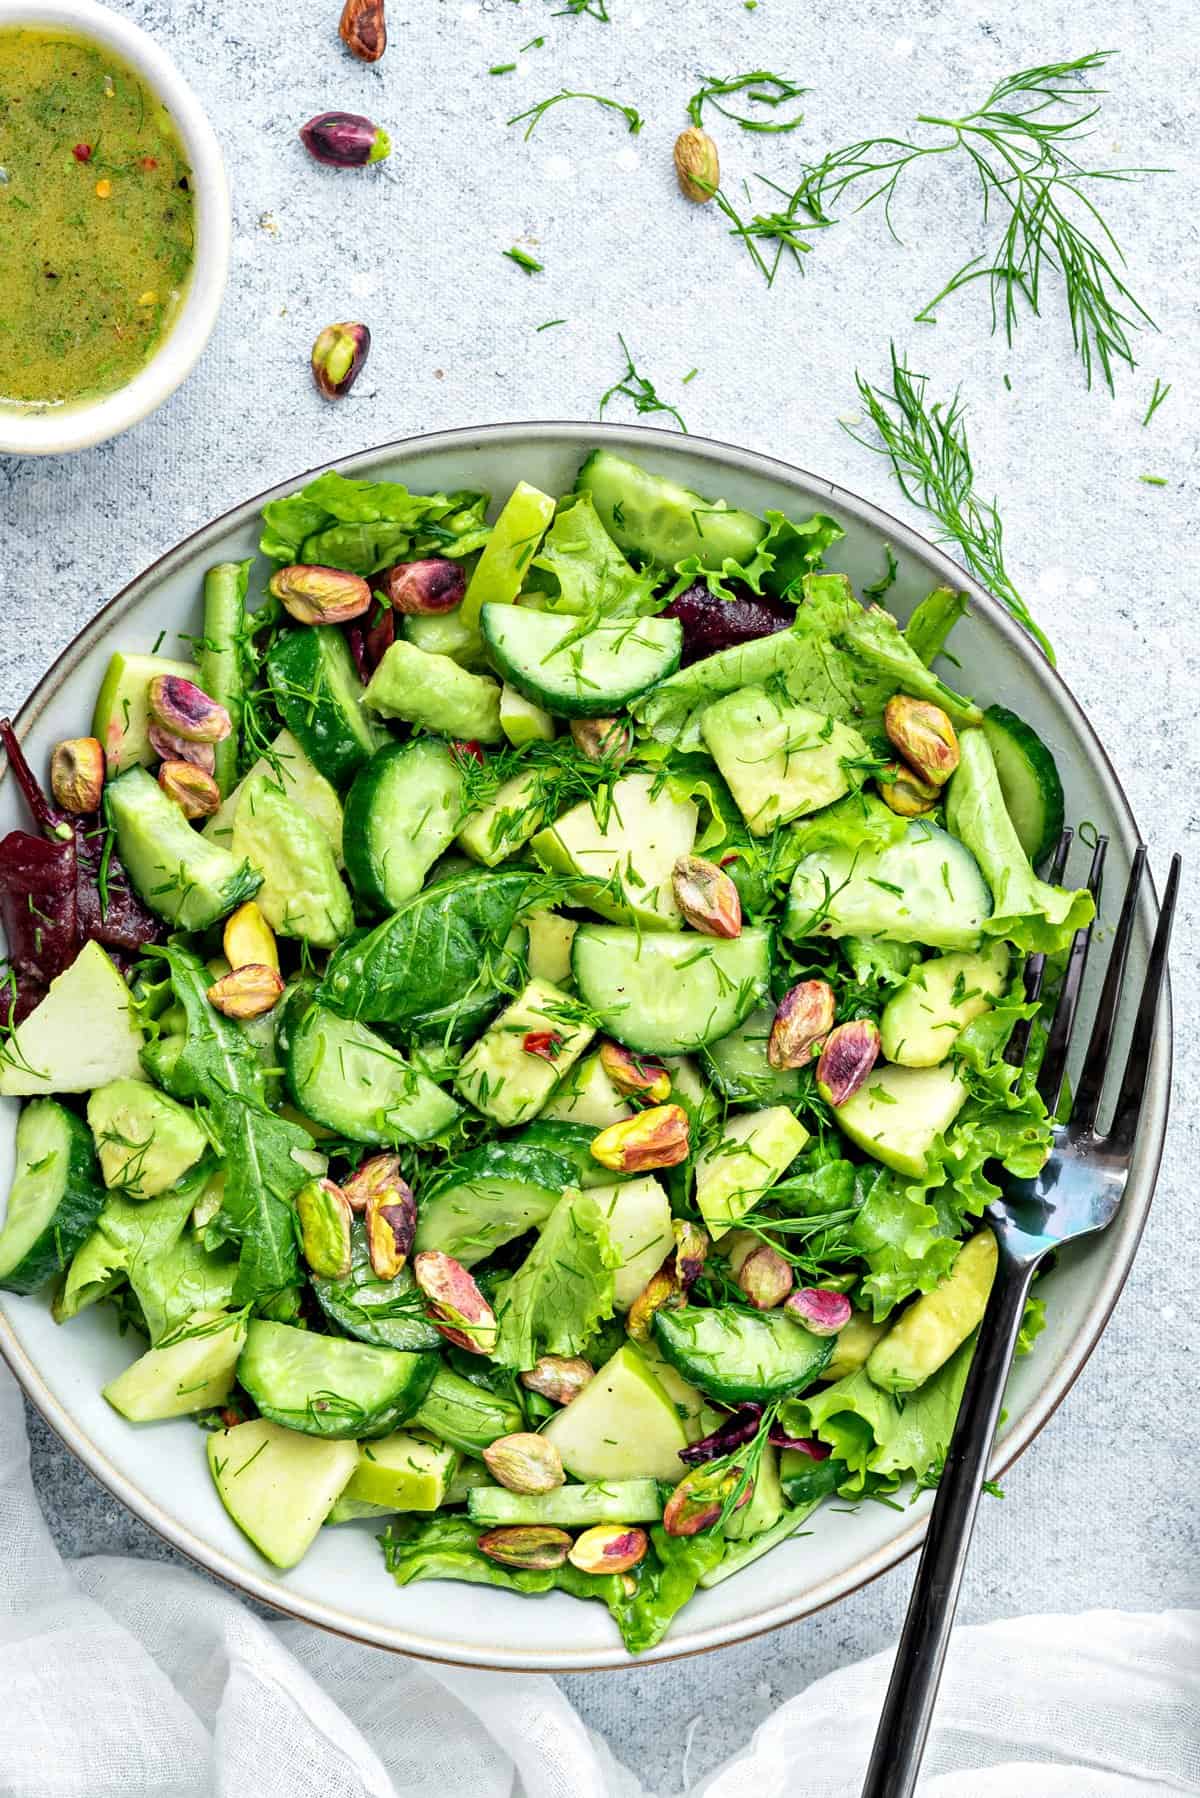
121	719
599	1501
384	1313
402	812
320	699
465	1415
735	1356
194	1373
739	1069
927	888
347	1078
1029	781
221	658
55	1198
573	676
324	1386
278	1486
185	878
659	521
492	1195
664	994
81	1034
570	1141
627	862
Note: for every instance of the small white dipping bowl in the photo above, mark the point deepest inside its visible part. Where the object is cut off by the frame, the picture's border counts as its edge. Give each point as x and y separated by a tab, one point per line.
49	431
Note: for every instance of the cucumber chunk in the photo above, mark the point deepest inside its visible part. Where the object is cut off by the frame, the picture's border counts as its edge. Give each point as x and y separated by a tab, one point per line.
751	1154
523	722
325	1386
924	1337
55	1198
666	994
81	1034
302	894
627	861
592	675
402	812
659	521
520	1059
622	1426
278	1486
381	1312
927	888
121	718
575	1507
194	1373
1029	781
739	1069
491	1195
402	1472
183	876
465	1415
923	1019
736	1356
320	699
346	1077
780	761
498	829
435	693
899	1114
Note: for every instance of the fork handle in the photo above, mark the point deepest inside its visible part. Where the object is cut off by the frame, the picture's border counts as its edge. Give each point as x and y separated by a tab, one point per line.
917	1673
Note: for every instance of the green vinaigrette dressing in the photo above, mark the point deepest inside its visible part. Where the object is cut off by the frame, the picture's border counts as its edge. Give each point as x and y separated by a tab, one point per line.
97	220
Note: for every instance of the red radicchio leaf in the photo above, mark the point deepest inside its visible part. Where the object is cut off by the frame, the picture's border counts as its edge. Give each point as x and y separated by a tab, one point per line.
741	1427
803	1445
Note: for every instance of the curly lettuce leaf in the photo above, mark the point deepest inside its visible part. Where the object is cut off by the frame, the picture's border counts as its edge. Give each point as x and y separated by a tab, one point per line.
580	569
1026	911
364	525
562	1290
783	555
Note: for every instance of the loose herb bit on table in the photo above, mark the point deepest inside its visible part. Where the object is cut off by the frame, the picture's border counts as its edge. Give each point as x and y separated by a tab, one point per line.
535	114
523	260
765	89
781	228
637	387
1154	480
1156	399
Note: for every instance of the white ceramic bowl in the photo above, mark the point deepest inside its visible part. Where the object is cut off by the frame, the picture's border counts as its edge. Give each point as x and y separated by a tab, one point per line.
28	432
158	1470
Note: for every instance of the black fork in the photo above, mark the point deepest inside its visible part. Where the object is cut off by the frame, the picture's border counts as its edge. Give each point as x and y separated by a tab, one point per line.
1076	1192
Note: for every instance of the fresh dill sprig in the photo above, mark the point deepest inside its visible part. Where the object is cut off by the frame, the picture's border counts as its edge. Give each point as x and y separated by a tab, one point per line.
536	114
1154	480
926	443
765	89
781	228
635	386
584	9
549	324
529	263
1156	399
1019	143
502	68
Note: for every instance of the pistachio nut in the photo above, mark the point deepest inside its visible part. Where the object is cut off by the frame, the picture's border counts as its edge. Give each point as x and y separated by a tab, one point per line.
77	774
456	1305
559	1378
632	1075
337	358
850	1053
534	1545
363	29
325	1220
706	896
765	1277
246	992
692	1244
435	584
186	709
378	1175
315	595
524	1462
657	1137
169	746
391	1225
924	736
195	792
904	792
822	1313
248	939
662	1291
803	1018
697	165
700	1497
345	140
602	739
608	1548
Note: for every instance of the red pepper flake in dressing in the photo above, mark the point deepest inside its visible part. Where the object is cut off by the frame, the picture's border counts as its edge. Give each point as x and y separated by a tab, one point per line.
469	749
148	162
545	1043
82	152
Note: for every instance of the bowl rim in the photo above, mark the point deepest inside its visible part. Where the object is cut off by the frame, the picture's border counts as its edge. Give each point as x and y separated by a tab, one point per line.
1127	1226
56	431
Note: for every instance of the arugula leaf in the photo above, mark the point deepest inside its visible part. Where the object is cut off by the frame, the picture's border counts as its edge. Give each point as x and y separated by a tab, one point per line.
130	1234
217	1058
563	1288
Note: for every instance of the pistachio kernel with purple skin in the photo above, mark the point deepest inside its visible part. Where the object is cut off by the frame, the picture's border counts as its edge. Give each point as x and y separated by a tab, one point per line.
822	1313
169	746
850	1052
803	1018
77	775
456	1306
345	140
608	1548
433	584
195	793
338	356
325	1220
533	1545
765	1277
905	793
314	595
185	709
560	1378
924	735
602	739
691	1251
661	1291
249	991
524	1462
378	1175
706	896
633	1075
699	1499
390	1222
657	1137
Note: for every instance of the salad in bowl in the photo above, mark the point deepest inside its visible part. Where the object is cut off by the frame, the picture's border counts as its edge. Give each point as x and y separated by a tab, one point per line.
513	1025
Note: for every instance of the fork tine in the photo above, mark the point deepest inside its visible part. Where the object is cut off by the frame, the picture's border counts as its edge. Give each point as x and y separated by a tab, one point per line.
1095	1063
1054	1061
1133	1083
1035	966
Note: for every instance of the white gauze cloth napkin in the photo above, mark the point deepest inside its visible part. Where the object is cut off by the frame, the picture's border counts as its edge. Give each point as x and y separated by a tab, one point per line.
131	1679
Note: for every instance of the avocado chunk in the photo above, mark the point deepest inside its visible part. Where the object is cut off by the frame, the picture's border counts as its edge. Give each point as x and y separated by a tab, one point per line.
81	1034
588	1096
622	1425
403	1472
498	829
855	1340
121	719
192	1373
183	876
629	859
505	558
922	1021
550	939
899	1114
277	1485
288	766
752	1153
435	693
780	761
145	1141
519	1060
638	1214
302	894
924	1337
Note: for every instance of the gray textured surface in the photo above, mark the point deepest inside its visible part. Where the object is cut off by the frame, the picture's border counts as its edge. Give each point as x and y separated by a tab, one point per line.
1100	1512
